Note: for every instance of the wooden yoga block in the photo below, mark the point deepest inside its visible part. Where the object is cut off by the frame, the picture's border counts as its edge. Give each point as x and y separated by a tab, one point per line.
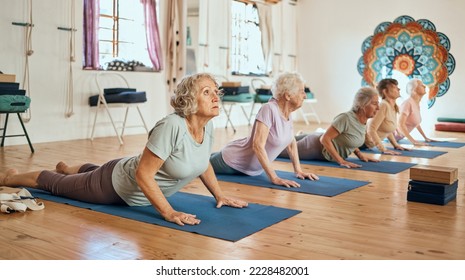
231	84
434	174
7	78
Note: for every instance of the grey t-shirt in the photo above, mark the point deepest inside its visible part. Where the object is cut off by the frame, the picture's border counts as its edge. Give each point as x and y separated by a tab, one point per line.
351	135
185	159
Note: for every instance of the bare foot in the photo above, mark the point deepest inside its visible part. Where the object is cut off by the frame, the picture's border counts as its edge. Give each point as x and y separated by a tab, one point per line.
4	176
61	168
65	169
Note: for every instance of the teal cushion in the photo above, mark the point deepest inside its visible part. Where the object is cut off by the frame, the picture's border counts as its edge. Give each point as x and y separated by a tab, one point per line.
242	98
262	98
14	103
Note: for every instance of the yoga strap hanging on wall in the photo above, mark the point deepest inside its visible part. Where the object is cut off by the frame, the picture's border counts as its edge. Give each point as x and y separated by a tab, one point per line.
26	116
72	57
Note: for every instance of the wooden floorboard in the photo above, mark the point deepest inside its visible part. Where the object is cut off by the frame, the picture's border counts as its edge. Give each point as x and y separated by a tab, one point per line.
371	222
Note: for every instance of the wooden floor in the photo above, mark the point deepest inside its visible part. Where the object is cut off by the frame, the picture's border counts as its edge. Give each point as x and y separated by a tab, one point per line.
371	222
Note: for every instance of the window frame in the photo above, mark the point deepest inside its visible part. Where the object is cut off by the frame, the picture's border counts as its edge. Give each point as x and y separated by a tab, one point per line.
235	57
147	54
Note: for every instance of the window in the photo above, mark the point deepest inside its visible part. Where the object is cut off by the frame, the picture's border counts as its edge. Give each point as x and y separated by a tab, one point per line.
121	33
247	54
121	30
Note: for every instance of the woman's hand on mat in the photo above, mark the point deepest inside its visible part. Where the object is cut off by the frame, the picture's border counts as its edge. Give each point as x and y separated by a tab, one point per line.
304	175
231	202
391	152
417	143
181	218
365	158
430	140
401	148
349	164
284	182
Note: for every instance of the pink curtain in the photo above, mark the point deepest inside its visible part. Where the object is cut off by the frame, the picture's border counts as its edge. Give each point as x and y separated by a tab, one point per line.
152	33
91	23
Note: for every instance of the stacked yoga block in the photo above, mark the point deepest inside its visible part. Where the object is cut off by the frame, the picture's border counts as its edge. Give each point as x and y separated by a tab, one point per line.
235	92
12	99
432	184
263	94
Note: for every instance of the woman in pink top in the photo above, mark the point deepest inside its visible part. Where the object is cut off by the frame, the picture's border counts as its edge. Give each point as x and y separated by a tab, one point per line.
410	117
272	132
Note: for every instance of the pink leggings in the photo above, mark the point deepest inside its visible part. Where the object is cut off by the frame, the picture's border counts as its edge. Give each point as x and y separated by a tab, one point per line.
91	184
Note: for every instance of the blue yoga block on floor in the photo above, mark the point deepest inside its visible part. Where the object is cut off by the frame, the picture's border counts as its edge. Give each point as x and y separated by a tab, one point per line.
433	188
430	198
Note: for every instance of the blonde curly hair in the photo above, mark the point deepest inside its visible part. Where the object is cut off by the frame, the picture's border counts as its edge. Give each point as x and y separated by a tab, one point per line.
184	100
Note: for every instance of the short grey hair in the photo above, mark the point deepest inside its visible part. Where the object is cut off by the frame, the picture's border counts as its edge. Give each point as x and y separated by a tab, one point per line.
287	82
412	85
184	99
363	98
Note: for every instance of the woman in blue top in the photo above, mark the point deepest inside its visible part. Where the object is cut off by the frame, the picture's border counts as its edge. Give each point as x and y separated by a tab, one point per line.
177	151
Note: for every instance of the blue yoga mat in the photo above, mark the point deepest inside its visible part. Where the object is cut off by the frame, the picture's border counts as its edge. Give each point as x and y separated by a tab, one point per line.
390	167
444	144
226	223
326	186
411	153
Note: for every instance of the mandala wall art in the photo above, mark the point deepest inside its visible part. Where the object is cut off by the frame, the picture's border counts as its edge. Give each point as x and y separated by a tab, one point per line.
411	47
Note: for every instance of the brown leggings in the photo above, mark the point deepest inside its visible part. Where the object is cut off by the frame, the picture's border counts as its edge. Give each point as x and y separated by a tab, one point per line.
91	184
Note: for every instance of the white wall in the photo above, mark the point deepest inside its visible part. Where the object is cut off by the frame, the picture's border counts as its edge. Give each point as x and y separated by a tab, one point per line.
49	73
330	36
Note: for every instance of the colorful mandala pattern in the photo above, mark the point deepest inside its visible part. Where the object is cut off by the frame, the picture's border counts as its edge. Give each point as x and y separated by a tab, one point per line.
412	47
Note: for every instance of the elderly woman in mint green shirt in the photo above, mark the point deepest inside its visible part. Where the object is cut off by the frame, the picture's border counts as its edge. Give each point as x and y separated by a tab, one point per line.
344	136
177	151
